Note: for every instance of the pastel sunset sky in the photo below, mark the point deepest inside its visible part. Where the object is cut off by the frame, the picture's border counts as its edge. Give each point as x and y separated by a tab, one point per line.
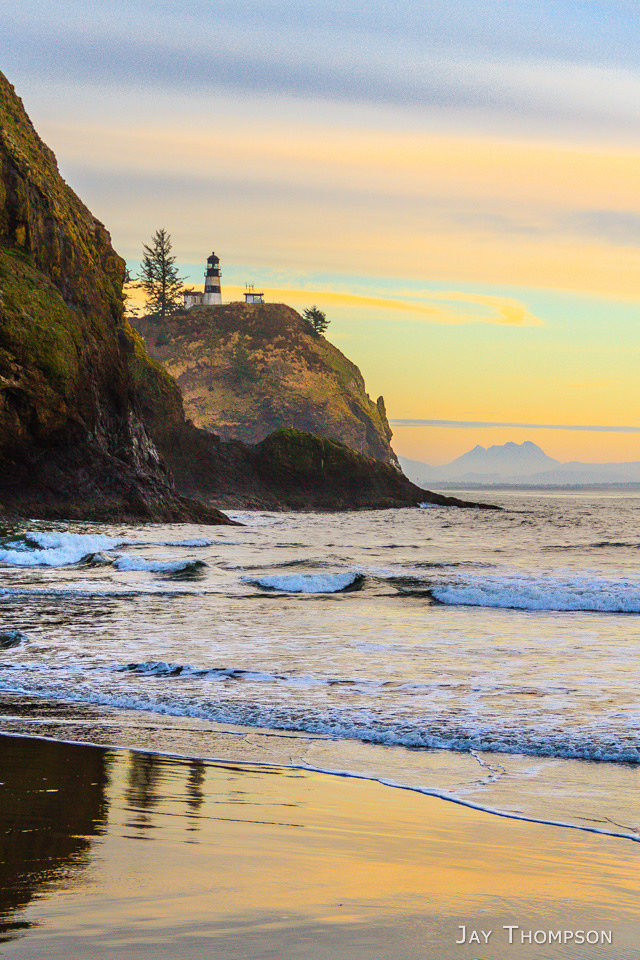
456	182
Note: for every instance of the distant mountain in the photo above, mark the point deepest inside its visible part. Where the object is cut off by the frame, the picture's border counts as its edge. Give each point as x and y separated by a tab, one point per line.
510	458
524	463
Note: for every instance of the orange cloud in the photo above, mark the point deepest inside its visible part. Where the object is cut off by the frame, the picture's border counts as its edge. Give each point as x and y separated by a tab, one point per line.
489	309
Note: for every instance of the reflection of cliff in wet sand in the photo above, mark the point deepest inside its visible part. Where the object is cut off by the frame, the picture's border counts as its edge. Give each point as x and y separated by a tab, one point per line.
51	810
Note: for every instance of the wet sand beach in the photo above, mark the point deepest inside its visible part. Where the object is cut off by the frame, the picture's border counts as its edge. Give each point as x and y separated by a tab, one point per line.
124	854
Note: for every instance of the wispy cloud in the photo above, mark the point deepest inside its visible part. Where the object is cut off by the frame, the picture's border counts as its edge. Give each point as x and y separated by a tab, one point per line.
590	428
604	31
540	63
438	307
614	226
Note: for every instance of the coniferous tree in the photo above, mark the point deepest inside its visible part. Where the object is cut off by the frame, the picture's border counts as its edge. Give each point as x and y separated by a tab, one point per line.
159	277
317	320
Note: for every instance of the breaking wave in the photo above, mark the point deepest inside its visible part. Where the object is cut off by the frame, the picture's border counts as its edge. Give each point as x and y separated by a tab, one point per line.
98	559
158	566
460	734
158	668
309	582
52	549
55	549
522	592
11	638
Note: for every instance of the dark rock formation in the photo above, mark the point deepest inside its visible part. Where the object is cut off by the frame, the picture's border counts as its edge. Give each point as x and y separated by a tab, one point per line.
72	443
288	470
246	370
304	468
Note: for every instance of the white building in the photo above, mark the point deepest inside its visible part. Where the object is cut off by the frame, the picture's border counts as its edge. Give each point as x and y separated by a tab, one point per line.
251	296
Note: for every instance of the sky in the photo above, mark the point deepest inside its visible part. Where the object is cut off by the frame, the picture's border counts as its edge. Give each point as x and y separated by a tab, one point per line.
455	182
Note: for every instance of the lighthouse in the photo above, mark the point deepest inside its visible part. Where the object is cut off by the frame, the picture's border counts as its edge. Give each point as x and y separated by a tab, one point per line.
212	296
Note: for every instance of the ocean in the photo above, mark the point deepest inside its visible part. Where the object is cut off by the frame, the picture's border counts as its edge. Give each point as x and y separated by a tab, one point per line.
488	657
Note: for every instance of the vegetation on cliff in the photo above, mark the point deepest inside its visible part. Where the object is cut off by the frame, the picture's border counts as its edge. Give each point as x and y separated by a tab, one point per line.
246	370
72	442
303	466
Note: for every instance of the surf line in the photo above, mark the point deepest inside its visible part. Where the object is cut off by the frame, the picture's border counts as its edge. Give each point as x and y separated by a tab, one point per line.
325	771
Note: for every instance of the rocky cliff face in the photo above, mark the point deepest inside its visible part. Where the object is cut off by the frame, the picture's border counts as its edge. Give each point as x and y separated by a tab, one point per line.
72	442
247	370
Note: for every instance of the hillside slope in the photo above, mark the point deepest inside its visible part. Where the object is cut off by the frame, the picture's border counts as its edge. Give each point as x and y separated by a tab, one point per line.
288	470
247	370
72	442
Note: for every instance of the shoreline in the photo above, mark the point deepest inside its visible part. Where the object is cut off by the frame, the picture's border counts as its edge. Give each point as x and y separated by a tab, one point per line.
339	774
115	728
131	855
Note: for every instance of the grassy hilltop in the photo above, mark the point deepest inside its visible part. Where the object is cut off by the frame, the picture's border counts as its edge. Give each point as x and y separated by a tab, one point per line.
246	370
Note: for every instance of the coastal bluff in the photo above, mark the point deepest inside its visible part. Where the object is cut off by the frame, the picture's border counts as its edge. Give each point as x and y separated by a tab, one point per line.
72	441
246	370
93	428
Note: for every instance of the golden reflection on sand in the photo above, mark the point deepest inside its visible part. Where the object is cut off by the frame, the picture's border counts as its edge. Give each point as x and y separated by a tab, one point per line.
184	854
346	836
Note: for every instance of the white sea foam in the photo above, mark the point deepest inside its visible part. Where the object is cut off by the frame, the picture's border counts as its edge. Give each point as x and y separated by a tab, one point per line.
172	565
55	549
374	666
456	736
67	549
523	592
61	549
307	582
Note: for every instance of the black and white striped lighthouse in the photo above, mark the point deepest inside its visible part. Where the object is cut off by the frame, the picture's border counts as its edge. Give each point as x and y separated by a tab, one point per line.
212	294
